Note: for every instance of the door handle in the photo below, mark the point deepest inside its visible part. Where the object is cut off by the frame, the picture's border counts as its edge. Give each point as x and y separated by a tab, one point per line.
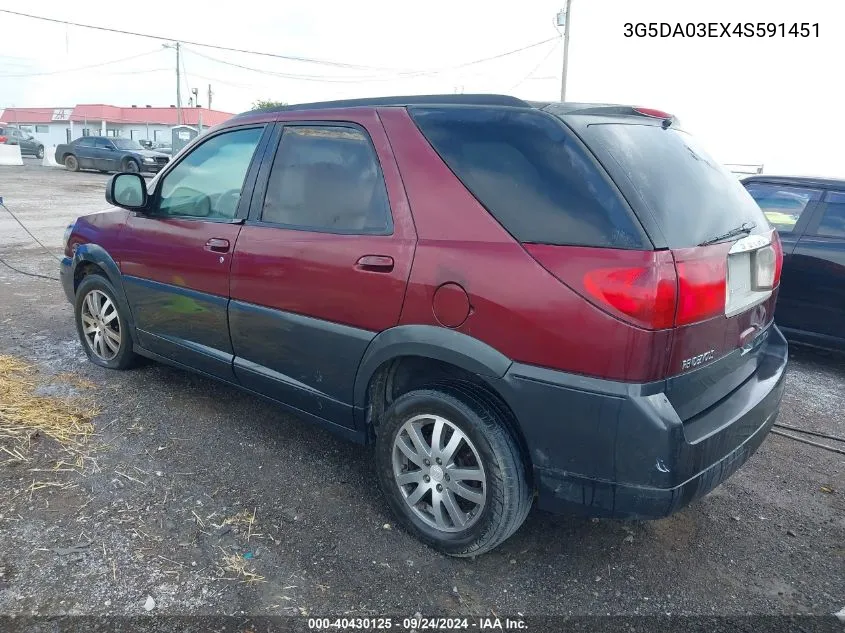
375	263
217	245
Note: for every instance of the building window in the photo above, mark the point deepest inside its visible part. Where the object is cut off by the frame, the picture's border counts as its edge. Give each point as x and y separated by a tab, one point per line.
155	135
42	129
86	131
112	132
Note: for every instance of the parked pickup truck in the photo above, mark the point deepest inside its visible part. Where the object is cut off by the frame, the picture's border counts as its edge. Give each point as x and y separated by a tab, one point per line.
109	154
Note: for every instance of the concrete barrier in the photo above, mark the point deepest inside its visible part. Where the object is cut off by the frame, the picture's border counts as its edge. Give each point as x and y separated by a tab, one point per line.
10	155
49	159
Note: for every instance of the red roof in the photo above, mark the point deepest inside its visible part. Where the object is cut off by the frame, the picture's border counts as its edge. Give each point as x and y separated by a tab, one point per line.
33	115
115	114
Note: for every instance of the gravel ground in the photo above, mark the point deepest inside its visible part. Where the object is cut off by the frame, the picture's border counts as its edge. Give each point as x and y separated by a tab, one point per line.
176	455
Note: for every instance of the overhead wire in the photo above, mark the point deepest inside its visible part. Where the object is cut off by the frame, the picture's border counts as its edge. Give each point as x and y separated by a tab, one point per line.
295	58
537	67
71	70
394	76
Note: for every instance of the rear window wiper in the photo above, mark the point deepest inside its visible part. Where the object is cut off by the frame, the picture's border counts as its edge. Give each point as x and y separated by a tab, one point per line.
744	228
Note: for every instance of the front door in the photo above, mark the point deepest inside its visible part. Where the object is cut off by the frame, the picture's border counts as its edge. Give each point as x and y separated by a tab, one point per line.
104	154
818	263
175	259
321	265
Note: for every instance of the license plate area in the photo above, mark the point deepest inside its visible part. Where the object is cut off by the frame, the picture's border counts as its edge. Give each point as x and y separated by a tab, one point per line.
748	268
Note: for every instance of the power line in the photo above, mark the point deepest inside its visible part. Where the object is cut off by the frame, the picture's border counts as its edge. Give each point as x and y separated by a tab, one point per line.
536	68
293	58
70	70
398	75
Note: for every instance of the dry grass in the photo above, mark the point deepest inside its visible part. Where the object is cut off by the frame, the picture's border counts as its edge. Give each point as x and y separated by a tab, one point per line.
24	415
237	565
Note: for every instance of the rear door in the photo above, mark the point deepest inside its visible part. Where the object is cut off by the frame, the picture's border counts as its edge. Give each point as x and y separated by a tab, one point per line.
175	260
818	272
789	209
322	263
85	152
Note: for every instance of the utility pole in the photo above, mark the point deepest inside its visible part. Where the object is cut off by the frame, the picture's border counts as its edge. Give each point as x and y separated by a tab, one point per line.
177	46
179	86
209	96
563	20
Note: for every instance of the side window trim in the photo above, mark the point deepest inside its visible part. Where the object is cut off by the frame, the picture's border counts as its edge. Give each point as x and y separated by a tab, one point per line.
249	178
257	205
809	212
821	208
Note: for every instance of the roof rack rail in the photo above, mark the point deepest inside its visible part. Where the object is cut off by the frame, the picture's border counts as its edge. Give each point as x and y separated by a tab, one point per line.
448	99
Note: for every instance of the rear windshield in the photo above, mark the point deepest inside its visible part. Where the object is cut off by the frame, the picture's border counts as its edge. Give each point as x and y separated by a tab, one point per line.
691	197
531	175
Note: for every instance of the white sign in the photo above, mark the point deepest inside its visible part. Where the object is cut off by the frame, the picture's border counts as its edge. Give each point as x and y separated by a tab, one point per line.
184	136
61	114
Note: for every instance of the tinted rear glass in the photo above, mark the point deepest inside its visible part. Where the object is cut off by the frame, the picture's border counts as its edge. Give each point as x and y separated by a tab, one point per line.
691	196
531	174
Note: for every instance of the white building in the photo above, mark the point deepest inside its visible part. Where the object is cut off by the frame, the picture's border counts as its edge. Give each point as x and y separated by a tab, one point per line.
53	126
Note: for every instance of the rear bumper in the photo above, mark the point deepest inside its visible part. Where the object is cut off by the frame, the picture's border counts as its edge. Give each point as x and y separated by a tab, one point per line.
608	449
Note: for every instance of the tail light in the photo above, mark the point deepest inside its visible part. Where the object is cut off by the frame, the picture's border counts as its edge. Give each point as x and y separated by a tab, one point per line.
656	290
3	140
643	294
702	283
638	287
778	248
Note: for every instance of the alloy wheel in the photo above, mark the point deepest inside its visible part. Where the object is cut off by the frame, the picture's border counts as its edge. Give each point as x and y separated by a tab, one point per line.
439	473
101	325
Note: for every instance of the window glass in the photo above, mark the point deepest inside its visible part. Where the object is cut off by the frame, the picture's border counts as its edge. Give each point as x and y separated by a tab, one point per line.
531	175
126	143
782	206
207	182
85	142
833	220
327	178
41	129
102	143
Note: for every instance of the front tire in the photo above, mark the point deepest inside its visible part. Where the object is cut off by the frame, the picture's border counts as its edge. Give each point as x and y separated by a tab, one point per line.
451	470
102	327
131	166
71	163
39	153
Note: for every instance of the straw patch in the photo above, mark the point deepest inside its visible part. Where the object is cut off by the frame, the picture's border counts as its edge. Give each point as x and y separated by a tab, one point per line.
239	567
25	416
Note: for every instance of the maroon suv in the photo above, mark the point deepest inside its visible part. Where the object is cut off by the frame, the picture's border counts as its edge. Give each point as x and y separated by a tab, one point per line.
507	299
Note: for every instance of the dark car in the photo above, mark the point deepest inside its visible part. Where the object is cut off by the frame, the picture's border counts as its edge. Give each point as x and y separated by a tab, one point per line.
164	148
106	154
505	298
809	215
30	145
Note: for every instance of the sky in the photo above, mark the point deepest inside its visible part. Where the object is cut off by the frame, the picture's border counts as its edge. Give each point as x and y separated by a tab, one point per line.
772	101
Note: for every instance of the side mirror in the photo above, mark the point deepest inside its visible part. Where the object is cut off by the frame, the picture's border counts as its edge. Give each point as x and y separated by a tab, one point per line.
128	191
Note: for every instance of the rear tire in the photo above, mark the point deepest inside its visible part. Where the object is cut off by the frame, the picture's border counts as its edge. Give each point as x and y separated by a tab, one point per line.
487	496
71	163
39	153
130	166
102	328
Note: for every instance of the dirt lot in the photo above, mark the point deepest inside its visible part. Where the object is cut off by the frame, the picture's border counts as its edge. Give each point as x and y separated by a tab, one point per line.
211	501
